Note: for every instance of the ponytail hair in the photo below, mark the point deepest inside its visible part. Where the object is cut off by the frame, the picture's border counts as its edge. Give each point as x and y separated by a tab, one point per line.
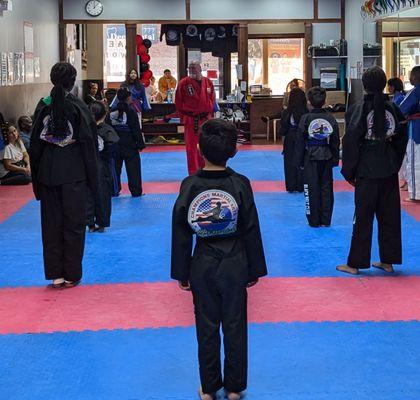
374	82
63	76
122	95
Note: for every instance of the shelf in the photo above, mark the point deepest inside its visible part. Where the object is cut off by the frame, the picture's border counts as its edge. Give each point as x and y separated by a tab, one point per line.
329	57
372	56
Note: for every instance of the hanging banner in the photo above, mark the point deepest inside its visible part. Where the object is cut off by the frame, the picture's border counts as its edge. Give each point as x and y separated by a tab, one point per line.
378	9
3	74
115	53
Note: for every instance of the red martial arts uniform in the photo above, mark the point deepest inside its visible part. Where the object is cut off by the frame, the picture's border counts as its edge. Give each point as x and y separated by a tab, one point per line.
195	103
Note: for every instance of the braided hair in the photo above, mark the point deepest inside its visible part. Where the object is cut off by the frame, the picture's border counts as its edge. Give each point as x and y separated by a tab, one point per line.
374	82
63	76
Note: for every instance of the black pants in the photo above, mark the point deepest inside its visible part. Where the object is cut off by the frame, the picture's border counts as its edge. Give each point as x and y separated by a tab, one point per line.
292	174
99	203
131	157
319	192
14	178
380	198
63	219
220	298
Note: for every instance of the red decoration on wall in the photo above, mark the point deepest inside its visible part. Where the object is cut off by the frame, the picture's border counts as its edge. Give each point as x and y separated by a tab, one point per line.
145	58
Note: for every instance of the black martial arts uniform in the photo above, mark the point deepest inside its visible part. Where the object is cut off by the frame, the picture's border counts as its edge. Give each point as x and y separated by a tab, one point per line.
293	175
99	203
131	142
373	164
317	152
61	172
218	207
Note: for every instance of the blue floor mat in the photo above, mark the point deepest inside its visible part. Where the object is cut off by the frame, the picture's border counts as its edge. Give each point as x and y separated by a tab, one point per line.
137	246
299	361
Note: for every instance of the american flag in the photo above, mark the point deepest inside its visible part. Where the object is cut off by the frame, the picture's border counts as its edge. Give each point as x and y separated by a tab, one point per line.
208	205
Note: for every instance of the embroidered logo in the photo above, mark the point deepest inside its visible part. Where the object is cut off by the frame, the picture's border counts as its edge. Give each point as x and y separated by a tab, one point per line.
213	213
320	129
389	125
190	90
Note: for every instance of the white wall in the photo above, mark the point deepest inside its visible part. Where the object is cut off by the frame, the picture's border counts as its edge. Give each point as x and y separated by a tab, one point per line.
129	9
269	29
21	99
324	32
251	9
329	9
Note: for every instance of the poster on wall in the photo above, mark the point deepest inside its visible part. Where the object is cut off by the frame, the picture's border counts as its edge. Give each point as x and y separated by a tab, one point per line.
3	69
150	32
37	67
28	34
19	68
10	70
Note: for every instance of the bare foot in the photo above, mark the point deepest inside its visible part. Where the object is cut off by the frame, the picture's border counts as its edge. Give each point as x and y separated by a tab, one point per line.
205	396
233	396
347	269
385	267
404	186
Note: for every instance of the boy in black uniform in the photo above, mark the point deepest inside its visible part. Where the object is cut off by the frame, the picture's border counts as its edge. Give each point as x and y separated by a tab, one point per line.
217	205
317	152
64	164
99	203
373	150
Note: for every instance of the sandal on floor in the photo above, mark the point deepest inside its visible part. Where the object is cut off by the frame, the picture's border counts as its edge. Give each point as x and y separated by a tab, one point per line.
384	267
70	284
57	283
205	396
347	269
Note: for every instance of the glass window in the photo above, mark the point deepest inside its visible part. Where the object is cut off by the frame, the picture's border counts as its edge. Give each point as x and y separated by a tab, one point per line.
162	56
255	62
285	62
114	53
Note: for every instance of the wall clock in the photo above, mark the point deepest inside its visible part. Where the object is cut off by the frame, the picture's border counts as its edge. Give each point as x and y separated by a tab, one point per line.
94	8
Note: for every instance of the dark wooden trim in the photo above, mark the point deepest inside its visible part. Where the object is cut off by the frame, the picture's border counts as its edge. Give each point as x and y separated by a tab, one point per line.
265	61
243	51
276	36
227	77
61	33
131	46
343	19
182	61
188	9
316	9
307	64
201	22
401	34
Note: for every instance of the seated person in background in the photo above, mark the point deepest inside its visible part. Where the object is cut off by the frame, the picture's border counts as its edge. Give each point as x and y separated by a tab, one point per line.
93	93
25	129
167	82
396	89
14	168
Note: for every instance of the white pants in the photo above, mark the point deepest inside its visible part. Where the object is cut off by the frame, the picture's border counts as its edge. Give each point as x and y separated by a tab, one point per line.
403	171
413	170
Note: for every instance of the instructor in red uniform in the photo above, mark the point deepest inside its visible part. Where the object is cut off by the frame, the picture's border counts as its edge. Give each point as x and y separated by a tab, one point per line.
194	102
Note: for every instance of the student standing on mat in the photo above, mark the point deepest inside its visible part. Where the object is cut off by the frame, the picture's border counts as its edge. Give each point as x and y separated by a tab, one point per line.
373	150
217	205
317	152
410	107
290	119
64	163
99	203
126	123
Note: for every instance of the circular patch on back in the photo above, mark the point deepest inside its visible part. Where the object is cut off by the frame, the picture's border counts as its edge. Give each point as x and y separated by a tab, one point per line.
320	129
213	213
389	125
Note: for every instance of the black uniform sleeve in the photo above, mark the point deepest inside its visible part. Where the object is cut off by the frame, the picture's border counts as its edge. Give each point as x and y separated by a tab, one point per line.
352	142
400	140
335	143
299	156
182	237
285	123
36	147
134	124
257	266
89	147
